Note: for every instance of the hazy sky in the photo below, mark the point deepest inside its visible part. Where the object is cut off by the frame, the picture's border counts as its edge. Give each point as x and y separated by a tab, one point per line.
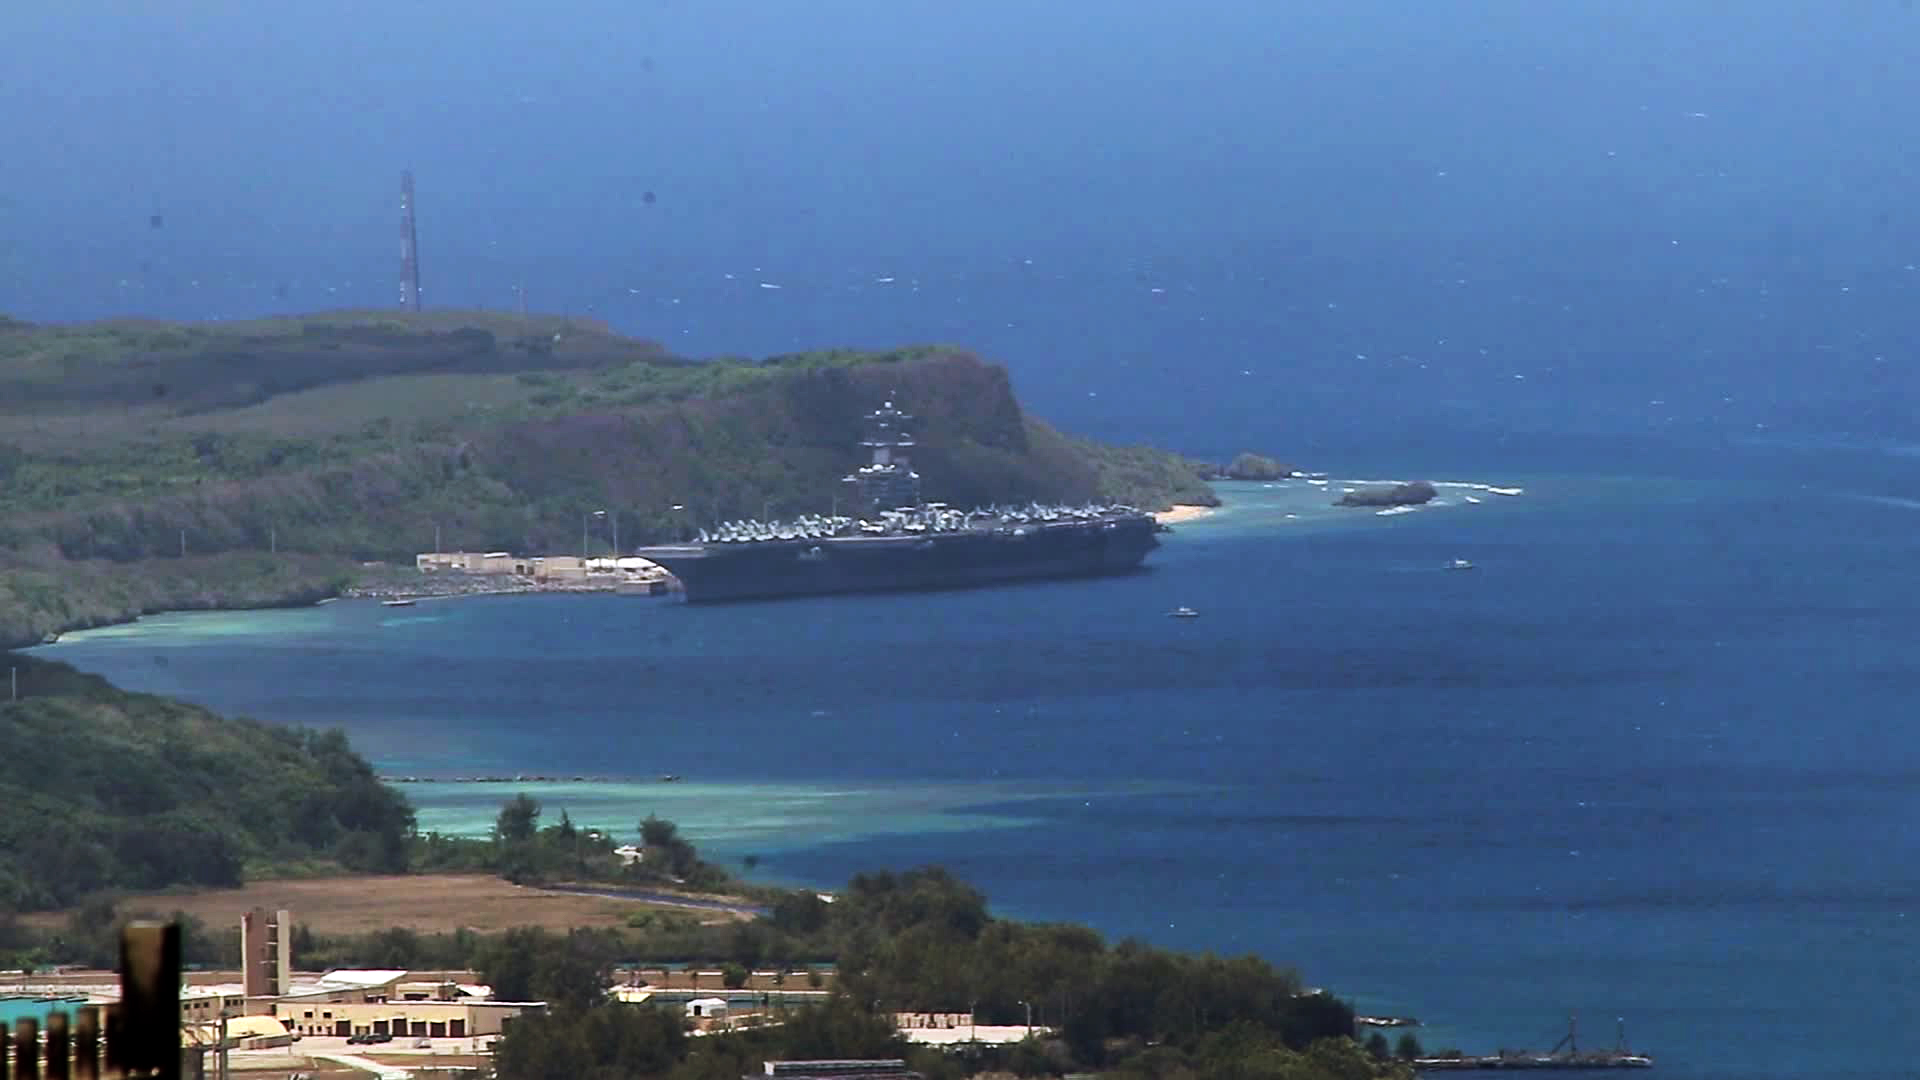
1619	203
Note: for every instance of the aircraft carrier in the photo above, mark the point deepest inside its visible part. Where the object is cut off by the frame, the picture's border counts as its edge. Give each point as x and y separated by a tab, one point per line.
895	541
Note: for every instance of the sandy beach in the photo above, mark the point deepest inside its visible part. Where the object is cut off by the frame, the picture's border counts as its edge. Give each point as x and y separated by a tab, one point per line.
1182	513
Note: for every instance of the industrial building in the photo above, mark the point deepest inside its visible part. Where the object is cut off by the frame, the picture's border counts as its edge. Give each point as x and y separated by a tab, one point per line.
385	1002
265	953
273	1006
408	1019
240	1033
473	562
539	568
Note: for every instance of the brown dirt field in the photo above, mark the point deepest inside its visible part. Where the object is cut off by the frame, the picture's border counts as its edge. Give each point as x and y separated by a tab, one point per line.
428	903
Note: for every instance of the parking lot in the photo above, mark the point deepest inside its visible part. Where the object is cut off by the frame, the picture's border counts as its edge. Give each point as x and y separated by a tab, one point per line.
401	1044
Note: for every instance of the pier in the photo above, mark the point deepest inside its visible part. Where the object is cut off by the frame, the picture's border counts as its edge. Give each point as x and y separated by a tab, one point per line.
1564	1056
1494	1062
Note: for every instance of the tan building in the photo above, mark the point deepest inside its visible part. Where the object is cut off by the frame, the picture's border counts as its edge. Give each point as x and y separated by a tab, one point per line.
473	562
242	1033
441	990
559	568
390	1003
205	1004
265	952
402	1019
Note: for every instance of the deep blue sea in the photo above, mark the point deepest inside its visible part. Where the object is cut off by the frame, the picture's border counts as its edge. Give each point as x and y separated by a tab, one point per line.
1656	263
1651	760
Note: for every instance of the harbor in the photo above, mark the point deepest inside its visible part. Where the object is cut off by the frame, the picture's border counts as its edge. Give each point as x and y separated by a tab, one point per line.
444	574
1566	1056
1503	1062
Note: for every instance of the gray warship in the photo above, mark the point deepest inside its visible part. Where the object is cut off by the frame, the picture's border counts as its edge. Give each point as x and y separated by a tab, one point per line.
894	541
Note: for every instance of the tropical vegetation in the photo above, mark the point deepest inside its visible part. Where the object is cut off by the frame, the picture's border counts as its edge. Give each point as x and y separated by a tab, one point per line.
107	790
148	466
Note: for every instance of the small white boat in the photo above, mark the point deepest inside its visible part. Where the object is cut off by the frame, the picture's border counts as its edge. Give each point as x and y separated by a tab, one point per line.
1460	564
399	602
1183	613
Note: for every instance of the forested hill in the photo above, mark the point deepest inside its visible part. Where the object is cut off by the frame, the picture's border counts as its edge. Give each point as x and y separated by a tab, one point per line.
148	466
108	790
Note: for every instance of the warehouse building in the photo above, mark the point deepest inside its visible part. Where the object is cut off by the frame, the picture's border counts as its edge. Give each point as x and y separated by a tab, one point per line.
402	1019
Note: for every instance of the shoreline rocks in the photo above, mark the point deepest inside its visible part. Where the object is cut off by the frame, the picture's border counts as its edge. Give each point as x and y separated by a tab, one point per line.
1248	466
1413	494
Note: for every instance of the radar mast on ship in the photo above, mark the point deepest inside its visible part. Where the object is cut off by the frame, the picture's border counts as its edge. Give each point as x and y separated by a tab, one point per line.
889	481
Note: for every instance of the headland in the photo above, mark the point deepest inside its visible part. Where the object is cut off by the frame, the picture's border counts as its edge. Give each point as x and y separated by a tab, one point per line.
154	466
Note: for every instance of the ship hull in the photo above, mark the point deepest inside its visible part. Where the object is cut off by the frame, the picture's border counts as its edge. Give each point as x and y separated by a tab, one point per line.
766	569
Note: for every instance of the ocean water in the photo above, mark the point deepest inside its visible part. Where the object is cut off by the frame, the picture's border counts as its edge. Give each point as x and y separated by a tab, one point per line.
1650	761
13	1009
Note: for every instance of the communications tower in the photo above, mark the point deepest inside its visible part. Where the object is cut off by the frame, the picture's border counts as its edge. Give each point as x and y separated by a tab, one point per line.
409	248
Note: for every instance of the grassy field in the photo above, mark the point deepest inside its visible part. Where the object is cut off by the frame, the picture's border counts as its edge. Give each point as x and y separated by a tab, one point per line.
426	903
393	398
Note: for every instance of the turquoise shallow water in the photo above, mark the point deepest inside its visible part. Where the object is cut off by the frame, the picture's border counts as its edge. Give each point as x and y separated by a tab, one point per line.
12	1009
1648	760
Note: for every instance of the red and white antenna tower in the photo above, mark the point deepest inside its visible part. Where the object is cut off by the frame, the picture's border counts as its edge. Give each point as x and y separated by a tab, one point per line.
409	248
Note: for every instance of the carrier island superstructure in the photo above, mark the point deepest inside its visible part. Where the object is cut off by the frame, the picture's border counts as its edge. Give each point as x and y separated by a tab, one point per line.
893	540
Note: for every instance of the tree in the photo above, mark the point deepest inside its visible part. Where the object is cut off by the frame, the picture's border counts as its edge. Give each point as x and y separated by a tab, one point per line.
839	1030
1314	1017
658	832
576	974
395	948
509	963
372	852
749	945
519	819
531	964
176	848
608	1043
733	976
665	847
799	912
1377	1046
1407	1048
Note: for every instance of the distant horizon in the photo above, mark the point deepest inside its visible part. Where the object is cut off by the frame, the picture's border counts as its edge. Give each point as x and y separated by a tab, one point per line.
1351	225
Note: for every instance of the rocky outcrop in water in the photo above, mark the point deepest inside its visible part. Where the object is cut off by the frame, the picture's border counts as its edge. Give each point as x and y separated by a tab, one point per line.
1398	495
1248	467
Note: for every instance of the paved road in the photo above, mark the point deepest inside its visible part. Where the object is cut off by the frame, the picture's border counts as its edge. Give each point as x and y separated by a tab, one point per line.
647	896
319	1045
355	1061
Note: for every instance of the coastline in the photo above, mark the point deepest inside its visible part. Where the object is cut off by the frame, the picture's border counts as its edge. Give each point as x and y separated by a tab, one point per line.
1180	512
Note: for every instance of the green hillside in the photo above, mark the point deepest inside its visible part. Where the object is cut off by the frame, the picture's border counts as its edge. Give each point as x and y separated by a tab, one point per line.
148	466
110	790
